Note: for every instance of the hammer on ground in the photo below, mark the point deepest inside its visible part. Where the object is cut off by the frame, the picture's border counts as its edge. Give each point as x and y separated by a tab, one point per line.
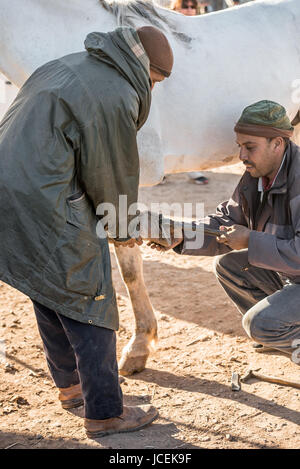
269	379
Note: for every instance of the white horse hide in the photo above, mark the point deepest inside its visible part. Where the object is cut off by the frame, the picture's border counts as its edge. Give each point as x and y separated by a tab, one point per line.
224	61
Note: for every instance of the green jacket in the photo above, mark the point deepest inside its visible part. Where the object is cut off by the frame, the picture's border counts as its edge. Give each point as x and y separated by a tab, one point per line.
67	144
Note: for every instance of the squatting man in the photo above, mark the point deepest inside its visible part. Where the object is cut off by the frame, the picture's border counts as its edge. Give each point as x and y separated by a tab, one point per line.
67	144
258	252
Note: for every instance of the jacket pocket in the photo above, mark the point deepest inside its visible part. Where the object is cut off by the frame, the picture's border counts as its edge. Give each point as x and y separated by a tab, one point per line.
80	212
75	264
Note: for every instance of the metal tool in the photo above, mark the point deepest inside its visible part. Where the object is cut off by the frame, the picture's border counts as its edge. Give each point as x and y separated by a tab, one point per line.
192	227
167	231
269	379
235	382
212	231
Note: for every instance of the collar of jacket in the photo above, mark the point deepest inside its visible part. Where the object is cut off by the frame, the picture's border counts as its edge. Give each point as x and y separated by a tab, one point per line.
123	50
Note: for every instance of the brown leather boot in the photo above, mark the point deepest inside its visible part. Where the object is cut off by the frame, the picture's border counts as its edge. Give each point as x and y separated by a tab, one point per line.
70	397
133	418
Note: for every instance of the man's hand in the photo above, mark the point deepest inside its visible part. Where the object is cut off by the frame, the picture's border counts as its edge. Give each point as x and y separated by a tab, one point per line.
130	243
235	236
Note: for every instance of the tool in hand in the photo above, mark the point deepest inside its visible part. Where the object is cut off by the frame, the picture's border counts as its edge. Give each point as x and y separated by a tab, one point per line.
168	230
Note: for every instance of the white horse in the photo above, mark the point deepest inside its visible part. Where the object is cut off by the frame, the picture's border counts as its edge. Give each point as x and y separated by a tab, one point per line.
223	62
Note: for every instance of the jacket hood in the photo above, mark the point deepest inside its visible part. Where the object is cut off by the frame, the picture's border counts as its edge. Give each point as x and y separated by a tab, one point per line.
123	50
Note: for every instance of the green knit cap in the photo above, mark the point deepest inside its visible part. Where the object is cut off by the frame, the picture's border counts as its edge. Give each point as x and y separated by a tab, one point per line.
263	119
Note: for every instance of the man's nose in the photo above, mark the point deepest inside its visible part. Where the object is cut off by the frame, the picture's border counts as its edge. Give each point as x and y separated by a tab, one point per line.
243	155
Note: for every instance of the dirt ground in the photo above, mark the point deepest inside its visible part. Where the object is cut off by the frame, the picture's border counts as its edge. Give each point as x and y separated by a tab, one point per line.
201	342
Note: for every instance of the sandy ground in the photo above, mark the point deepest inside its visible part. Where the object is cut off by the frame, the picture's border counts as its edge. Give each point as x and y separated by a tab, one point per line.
201	342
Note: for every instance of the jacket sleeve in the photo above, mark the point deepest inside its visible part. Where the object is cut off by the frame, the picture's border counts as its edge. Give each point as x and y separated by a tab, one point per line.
281	255
109	169
227	213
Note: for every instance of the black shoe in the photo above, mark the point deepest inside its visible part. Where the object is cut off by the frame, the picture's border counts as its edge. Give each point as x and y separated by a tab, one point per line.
201	180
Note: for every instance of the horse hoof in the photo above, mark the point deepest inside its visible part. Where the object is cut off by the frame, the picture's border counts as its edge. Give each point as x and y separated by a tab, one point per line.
130	365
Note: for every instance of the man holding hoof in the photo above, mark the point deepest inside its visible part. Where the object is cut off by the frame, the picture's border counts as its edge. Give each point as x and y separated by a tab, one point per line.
258	252
67	145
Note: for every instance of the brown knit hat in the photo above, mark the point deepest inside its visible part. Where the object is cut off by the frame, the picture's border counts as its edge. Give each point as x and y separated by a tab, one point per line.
158	49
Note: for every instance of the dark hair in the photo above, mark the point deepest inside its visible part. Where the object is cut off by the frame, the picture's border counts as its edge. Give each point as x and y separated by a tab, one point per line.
195	3
286	140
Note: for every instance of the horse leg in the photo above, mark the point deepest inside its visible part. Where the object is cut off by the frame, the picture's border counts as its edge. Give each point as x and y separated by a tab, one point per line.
136	352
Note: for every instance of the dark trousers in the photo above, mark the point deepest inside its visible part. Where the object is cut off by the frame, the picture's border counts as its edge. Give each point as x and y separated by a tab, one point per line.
85	354
270	308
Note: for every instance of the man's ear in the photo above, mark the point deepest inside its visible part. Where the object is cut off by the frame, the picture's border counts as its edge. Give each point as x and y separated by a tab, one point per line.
279	141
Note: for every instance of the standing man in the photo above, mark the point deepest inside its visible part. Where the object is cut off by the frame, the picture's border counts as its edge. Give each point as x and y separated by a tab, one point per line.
68	144
258	262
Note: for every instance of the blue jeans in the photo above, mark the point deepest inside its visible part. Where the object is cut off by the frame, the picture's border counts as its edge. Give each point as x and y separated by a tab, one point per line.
82	353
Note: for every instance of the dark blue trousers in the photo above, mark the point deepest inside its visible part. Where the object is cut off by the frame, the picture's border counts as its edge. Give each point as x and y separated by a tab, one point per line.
85	354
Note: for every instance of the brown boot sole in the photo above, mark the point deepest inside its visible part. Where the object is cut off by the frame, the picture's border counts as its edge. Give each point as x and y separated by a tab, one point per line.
71	403
128	430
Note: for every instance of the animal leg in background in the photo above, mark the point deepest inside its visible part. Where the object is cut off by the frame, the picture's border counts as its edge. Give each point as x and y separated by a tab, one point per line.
137	351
